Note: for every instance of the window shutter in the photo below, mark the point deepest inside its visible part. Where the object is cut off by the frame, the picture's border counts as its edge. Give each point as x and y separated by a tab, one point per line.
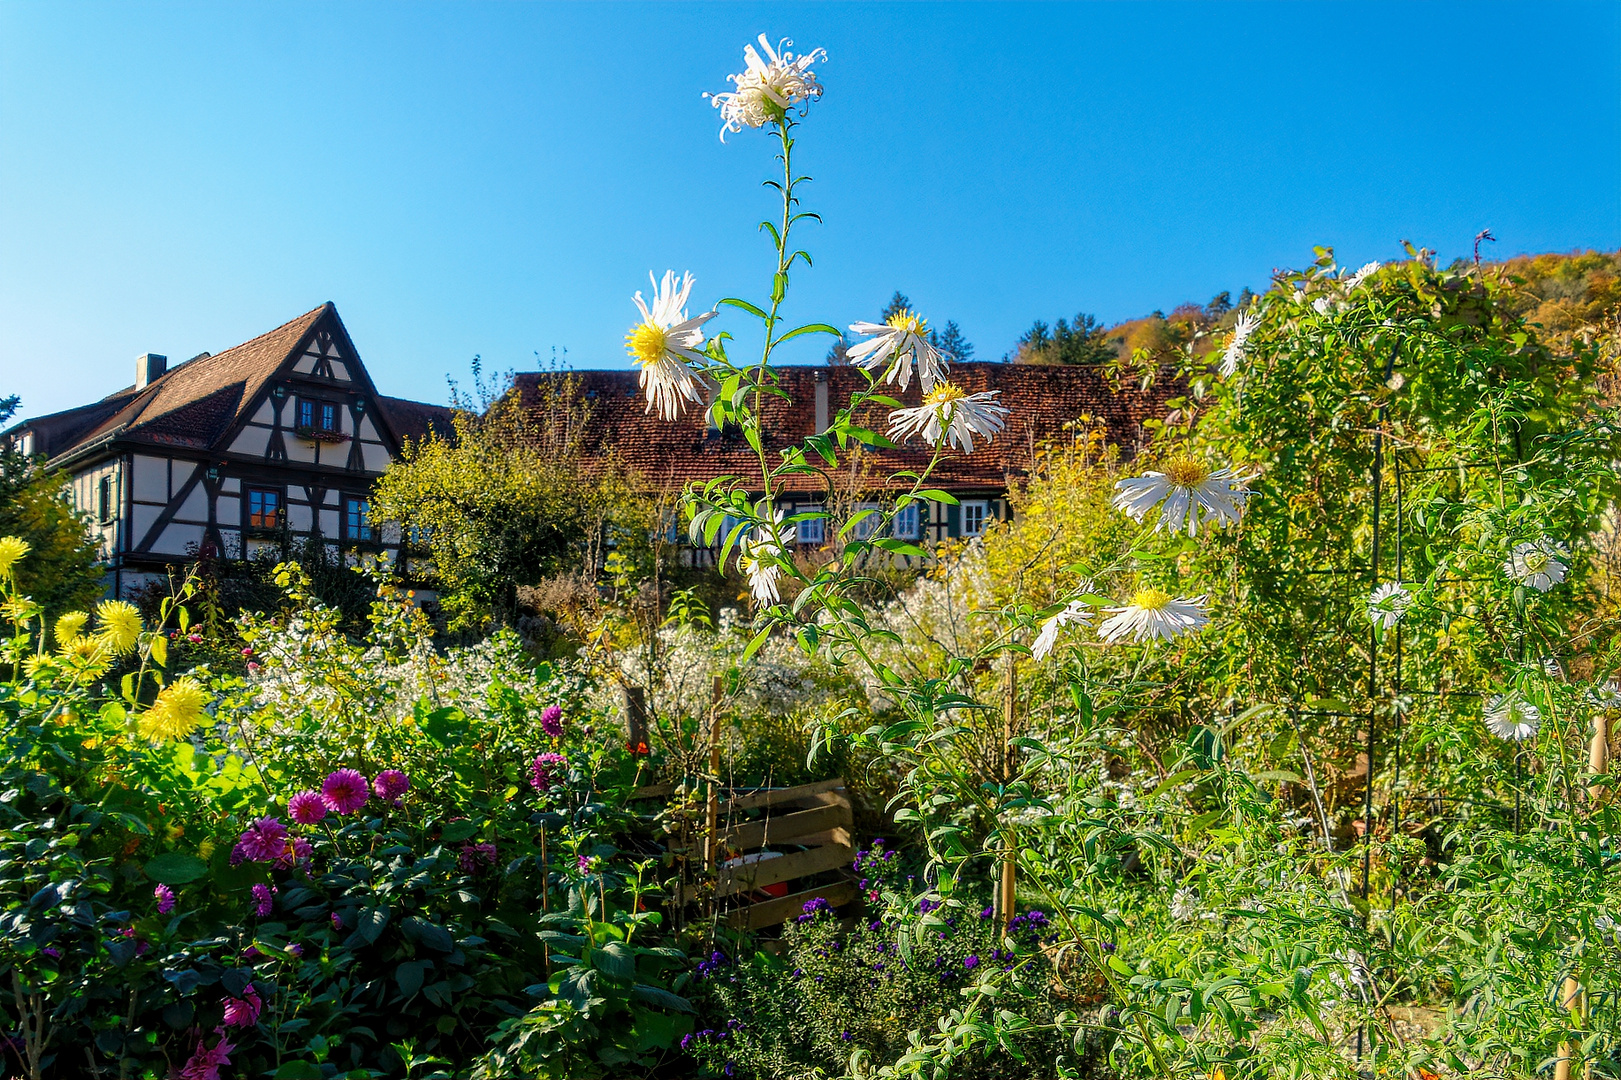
953	520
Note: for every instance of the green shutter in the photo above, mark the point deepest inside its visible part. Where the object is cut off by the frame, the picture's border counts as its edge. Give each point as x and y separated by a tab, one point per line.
953	520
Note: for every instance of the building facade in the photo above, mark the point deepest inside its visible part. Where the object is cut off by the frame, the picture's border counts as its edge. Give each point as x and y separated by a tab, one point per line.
274	441
1049	406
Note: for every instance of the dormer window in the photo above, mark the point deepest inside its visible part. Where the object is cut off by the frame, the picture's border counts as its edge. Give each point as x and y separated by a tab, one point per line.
317	415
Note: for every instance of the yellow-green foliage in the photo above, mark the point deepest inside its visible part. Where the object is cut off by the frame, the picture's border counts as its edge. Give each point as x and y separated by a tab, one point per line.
511	501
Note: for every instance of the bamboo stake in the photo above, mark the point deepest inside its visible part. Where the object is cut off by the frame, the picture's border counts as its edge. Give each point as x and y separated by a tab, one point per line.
1573	998
1598	753
712	806
1006	887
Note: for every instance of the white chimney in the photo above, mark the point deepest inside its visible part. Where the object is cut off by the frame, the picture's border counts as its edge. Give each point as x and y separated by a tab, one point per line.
821	401
148	367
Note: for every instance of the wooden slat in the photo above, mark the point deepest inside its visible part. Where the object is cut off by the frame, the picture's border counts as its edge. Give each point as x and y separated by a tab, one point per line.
827	836
758	875
783	828
781	795
773	912
653	791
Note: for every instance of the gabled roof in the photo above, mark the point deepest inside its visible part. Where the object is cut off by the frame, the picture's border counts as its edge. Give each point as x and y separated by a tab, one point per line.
416	420
198	403
1046	402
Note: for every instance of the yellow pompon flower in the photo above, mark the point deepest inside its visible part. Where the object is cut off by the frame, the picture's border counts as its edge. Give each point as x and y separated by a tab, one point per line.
35	664
205	850
178	710
70	626
12	551
87	655
120	625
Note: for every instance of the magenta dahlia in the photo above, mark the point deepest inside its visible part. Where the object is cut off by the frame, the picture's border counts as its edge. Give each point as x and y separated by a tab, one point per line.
547	771
243	1011
262	902
345	791
551	721
391	784
165	897
306	808
263	841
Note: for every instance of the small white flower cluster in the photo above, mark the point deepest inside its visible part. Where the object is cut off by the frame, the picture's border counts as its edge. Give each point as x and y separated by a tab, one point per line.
1329	294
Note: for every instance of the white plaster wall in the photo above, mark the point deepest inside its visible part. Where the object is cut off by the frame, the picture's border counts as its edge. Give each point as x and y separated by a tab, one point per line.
151	479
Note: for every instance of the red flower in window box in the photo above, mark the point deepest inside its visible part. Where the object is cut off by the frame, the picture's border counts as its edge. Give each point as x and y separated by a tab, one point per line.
321	435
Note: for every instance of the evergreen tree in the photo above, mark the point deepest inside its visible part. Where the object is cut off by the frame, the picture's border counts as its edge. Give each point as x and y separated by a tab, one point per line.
1083	341
951	342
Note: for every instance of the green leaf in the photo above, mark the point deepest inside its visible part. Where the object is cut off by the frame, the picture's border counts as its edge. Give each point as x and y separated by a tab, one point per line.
652	995
298	1070
936	495
809	328
426	933
732	301
457	831
175	868
371	924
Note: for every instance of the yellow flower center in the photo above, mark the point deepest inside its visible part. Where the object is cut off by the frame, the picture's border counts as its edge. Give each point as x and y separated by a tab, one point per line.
1185	472
943	394
909	321
1151	599
647	343
1536	561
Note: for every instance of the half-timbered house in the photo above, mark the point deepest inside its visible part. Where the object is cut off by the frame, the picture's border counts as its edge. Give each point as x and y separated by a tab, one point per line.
278	439
1048	405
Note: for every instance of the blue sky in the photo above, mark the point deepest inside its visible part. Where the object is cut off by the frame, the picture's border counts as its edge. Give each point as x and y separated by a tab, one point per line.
497	179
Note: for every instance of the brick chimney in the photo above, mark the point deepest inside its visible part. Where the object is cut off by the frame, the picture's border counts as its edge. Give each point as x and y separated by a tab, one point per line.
148	367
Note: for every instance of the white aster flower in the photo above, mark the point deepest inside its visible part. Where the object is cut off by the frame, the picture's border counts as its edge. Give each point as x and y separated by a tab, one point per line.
1184	905
1192	492
1236	348
1367	271
1388	603
1156	614
1508	716
1076	611
948	413
1320	305
767	89
759	557
899	342
1607	696
1539	563
664	342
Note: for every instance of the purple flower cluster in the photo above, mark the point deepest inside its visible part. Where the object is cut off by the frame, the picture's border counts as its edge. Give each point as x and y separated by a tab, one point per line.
712	1034
476	858
263	902
716	961
874	865
925	905
551	721
547	771
815	906
345	791
391	784
263	841
1032	923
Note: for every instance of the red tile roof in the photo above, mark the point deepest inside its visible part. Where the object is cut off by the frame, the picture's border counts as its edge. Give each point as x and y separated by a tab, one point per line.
1045	402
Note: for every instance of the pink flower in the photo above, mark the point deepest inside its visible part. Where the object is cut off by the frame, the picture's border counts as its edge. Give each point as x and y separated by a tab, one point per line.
391	784
345	791
165	897
476	858
247	652
547	771
551	721
587	864
263	841
243	1011
297	852
205	1063
252	666
306	808
337	921
295	950
262	902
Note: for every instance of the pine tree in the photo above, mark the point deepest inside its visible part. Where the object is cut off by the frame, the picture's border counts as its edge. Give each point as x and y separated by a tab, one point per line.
951	342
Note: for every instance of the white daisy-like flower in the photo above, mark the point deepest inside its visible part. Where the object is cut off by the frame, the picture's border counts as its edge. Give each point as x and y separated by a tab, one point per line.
899	342
1184	905
1388	603
1154	614
1607	696
1367	271
1320	305
1075	612
759	557
948	413
1539	563
1193	493
767	88
1237	347
664	342
1508	716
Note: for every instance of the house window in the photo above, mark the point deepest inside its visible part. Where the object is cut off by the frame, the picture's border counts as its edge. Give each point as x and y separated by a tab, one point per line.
417	537
317	415
356	519
973	517
264	508
866	526
813	532
905	522
104	500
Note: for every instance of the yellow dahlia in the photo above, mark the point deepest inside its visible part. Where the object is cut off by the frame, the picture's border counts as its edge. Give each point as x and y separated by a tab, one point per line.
12	550
179	708
120	625
70	626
